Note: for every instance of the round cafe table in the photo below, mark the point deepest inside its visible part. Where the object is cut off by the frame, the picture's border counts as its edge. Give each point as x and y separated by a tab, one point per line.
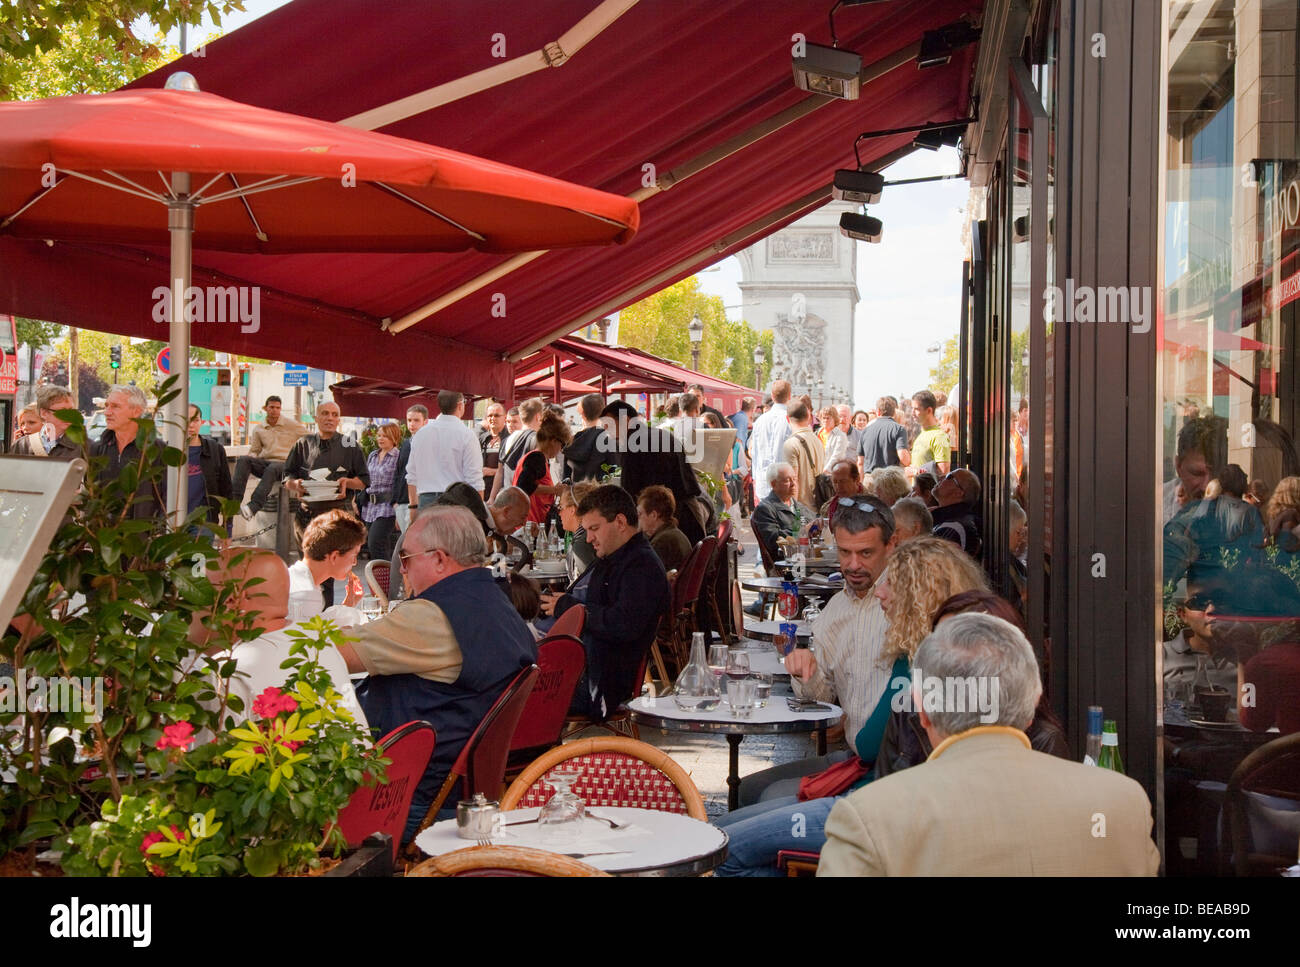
821	565
654	843
767	630
811	589
547	573
775	717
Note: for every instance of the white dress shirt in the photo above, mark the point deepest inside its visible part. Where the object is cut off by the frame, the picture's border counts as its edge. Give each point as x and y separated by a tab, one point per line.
444	451
849	637
837	448
768	435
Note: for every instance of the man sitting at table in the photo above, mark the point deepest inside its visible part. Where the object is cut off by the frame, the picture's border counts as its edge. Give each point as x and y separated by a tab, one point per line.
627	591
847	484
850	636
985	803
446	655
777	514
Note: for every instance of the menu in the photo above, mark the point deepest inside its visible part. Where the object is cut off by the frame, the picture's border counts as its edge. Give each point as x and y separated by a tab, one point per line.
35	493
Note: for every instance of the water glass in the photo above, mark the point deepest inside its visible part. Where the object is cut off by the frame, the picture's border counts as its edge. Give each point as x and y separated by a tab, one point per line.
740	696
762	688
370	607
561	818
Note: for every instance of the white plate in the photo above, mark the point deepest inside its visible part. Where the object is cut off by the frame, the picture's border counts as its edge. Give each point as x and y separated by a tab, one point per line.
319	500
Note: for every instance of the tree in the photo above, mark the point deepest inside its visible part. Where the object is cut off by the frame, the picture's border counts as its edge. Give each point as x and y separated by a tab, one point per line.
658	325
947	372
89	383
81	46
35	333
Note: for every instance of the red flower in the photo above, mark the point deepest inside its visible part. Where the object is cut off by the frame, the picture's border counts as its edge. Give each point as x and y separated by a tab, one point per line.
150	839
178	736
272	702
292	746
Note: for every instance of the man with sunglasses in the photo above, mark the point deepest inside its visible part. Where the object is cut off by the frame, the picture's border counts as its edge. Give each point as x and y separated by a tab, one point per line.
446	655
957	494
1192	645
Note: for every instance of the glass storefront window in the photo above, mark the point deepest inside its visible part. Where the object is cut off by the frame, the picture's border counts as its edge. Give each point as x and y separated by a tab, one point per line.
1229	413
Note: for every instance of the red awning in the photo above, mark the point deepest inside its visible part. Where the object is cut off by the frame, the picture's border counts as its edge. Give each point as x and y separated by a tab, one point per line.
661	86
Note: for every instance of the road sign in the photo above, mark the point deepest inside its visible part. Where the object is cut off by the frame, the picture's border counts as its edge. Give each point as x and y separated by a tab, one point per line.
295	375
164	360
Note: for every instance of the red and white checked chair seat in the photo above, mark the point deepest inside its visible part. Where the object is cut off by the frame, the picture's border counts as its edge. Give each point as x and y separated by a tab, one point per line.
612	779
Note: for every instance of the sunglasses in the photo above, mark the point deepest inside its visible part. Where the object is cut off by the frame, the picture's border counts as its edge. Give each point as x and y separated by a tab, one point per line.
1199	601
427	550
864	506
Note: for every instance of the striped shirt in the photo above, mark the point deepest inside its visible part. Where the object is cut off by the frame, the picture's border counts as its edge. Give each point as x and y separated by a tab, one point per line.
849	636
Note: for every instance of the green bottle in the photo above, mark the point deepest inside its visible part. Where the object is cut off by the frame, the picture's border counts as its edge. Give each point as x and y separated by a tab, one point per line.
1110	758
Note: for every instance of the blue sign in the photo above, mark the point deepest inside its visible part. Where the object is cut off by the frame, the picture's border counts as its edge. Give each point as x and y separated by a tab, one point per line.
295	375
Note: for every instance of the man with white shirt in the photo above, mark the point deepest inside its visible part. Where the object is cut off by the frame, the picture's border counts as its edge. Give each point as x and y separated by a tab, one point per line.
444	452
845	668
768	436
330	545
257	662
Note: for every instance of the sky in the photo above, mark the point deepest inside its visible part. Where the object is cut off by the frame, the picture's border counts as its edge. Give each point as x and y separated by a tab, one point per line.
910	283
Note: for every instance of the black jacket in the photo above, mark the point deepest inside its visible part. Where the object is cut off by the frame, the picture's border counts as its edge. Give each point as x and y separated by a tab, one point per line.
583	457
399	494
216	475
627	593
150	497
652	456
772	519
957	523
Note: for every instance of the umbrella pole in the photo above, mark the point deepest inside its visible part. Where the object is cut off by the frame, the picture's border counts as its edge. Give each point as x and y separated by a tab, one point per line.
180	225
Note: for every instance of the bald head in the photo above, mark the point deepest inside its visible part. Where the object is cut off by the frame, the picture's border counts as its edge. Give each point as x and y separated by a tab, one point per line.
263	585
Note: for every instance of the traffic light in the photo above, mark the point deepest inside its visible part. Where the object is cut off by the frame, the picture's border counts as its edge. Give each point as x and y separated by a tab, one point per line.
115	356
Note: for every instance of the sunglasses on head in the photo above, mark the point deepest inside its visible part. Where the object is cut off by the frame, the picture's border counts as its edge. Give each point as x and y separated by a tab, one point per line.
864	505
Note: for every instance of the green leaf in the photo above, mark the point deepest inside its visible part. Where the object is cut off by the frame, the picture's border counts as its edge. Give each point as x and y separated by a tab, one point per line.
264	860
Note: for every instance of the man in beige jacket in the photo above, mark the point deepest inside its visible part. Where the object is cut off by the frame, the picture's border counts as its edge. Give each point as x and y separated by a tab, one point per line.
803	451
267	451
984	803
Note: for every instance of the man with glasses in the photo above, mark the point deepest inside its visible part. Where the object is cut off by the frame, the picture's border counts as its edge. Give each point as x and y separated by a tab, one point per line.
850	633
1194	644
446	655
957	494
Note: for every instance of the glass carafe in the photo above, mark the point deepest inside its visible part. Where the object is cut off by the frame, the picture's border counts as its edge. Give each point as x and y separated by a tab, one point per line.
697	689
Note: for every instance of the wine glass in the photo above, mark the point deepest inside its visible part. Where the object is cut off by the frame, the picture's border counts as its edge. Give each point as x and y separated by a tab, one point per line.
718	655
737	664
561	817
370	607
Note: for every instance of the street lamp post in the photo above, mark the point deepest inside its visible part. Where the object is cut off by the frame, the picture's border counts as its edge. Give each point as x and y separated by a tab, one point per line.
696	331
758	368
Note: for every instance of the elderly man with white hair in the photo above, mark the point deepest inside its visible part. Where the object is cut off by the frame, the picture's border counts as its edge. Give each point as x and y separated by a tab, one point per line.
911	519
777	514
448	653
985	803
122	411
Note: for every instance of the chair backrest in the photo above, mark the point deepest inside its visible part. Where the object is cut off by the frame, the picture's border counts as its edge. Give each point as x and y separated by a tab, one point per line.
690	579
378	574
561	659
569	624
769	565
1261	789
503	861
482	762
719	555
616	771
724	531
383	808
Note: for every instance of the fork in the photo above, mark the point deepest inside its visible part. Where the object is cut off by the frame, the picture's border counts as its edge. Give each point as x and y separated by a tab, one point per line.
484	841
613	823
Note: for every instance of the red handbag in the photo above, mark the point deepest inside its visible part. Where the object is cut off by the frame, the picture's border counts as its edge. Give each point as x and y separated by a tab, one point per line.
834	780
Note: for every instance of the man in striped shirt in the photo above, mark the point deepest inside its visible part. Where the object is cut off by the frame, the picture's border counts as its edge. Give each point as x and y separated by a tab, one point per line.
845	667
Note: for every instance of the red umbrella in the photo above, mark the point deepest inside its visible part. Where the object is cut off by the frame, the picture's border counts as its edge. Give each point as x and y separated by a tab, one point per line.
239	178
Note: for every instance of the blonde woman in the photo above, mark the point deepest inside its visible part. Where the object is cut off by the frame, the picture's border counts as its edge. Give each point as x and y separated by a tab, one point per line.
1283	513
889	484
920	576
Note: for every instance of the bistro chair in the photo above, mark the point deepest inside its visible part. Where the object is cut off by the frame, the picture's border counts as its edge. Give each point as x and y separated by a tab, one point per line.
383	808
503	861
560	660
620	721
718	564
797	862
616	771
1263	807
378	574
569	624
769	567
481	765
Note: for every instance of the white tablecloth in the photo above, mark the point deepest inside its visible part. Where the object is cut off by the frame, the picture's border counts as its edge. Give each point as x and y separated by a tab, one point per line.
776	710
654	840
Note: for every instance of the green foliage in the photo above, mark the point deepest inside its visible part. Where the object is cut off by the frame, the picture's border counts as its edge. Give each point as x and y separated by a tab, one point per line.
112	600
262	798
659	324
89	46
35	333
945	374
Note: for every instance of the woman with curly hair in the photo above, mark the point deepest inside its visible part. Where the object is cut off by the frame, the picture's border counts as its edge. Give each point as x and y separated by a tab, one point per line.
921	575
1282	514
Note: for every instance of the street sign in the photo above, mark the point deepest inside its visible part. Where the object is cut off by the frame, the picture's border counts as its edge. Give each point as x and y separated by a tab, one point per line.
295	375
164	360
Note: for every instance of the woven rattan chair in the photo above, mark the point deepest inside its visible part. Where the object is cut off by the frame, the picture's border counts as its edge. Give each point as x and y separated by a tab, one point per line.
616	771
377	577
503	861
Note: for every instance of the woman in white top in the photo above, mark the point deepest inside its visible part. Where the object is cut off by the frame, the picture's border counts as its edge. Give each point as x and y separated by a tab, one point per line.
834	440
330	545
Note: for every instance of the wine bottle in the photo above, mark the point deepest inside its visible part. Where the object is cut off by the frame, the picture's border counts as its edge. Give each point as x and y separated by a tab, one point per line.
1092	750
1110	758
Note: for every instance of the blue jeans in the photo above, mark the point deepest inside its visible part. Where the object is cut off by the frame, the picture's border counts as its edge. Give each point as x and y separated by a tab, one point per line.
429	498
757	833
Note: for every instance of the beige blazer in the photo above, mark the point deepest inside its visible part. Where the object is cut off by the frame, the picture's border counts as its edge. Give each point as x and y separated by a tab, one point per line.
985	804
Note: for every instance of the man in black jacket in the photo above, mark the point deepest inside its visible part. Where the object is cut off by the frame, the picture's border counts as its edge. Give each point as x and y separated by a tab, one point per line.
583	457
122	410
399	496
648	456
212	466
627	592
957	494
